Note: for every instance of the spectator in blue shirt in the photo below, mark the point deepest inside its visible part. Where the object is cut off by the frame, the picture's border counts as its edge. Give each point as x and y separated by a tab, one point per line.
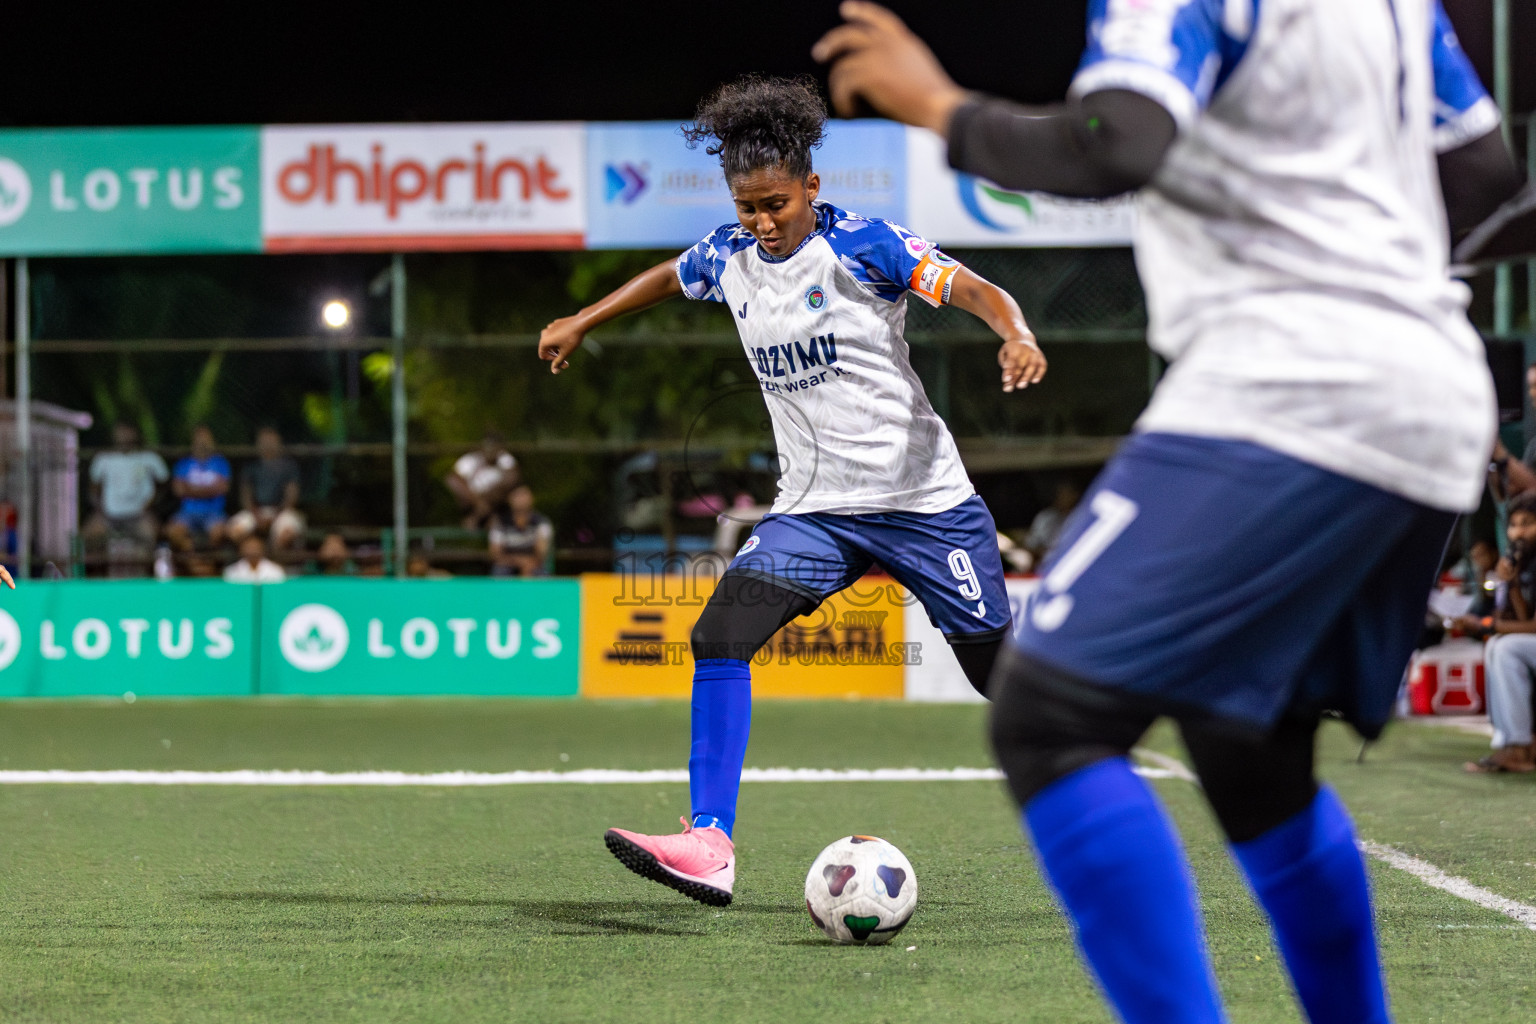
201	480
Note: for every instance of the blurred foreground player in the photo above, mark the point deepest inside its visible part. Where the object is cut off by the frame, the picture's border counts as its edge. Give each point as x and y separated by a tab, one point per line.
1260	550
871	474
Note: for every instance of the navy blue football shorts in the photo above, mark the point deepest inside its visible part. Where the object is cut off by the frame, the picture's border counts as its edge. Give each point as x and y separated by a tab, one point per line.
948	560
1224	579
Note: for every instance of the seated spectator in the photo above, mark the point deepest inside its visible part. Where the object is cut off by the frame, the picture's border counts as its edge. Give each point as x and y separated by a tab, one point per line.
1047	525
269	495
123	483
482	479
1481	581
202	566
1509	660
254	566
201	480
334	558
519	536
418	568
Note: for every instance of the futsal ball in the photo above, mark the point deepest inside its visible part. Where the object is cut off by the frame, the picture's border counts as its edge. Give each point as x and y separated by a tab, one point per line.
861	890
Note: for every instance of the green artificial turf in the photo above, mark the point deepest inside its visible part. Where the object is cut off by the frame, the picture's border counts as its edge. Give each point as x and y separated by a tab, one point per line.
210	904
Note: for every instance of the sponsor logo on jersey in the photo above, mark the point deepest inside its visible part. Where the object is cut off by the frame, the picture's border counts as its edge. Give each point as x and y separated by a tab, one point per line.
917	246
815	298
750	546
796	357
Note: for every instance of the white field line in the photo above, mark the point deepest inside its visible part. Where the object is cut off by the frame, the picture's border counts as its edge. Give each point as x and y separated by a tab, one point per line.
1432	876
581	777
1423	870
1164	767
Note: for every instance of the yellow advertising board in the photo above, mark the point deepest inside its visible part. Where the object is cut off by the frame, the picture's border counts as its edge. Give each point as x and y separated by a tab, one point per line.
634	640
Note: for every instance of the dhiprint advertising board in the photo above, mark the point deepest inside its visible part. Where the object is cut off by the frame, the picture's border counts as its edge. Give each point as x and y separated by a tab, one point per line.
444	187
423	187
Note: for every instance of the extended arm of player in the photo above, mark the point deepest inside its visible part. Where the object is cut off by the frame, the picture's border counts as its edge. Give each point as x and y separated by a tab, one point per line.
1111	142
1020	357
644	290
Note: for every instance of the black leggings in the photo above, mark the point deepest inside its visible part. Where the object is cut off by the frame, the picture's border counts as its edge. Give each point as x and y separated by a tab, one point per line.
1046	725
745	611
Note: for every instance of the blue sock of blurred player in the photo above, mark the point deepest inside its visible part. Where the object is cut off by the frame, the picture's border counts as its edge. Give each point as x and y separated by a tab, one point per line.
1112	857
722	718
1308	874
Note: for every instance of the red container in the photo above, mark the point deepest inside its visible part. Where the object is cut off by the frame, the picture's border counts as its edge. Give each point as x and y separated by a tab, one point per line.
1448	680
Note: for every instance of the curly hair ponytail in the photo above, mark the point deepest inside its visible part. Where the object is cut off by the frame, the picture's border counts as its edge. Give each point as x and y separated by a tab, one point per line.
761	122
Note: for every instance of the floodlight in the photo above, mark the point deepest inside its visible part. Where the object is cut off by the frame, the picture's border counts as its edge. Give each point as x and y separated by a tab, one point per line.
336	314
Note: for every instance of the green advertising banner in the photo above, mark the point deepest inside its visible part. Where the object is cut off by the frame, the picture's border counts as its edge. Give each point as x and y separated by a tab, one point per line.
130	190
467	636
133	636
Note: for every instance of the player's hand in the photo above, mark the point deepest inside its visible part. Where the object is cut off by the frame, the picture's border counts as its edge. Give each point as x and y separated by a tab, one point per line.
559	340
874	56
5	577
1023	363
1505	570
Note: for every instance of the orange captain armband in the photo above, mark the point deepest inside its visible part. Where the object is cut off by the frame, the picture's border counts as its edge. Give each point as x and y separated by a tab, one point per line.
933	277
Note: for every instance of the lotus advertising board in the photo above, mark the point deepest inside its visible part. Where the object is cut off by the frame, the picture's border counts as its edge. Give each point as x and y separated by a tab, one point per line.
142	637
647	189
129	190
956	209
423	187
416	637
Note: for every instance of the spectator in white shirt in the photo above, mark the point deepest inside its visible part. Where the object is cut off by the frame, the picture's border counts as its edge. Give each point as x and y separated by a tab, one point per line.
254	565
123	483
482	479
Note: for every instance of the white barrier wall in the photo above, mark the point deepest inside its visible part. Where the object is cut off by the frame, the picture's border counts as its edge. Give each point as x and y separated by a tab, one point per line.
936	677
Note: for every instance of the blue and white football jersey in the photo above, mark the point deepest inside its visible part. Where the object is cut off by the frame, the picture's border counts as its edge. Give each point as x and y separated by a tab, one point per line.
1294	245
823	332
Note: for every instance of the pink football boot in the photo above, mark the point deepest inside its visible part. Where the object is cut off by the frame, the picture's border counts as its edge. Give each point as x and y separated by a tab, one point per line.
700	863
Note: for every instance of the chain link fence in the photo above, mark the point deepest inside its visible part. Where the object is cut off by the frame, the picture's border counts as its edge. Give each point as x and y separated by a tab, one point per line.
659	411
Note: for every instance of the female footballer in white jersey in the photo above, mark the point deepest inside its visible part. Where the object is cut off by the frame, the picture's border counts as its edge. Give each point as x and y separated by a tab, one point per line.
872	476
1259	551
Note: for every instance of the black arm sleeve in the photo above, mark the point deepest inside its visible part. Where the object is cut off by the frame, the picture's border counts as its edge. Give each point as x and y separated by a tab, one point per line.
1475	179
1108	143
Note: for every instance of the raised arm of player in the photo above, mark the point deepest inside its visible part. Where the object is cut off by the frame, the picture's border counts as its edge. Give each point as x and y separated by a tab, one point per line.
644	290
1020	357
1112	141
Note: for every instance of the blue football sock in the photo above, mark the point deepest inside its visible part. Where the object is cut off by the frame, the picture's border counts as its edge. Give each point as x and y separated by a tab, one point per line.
1112	857
722	718
1308	874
